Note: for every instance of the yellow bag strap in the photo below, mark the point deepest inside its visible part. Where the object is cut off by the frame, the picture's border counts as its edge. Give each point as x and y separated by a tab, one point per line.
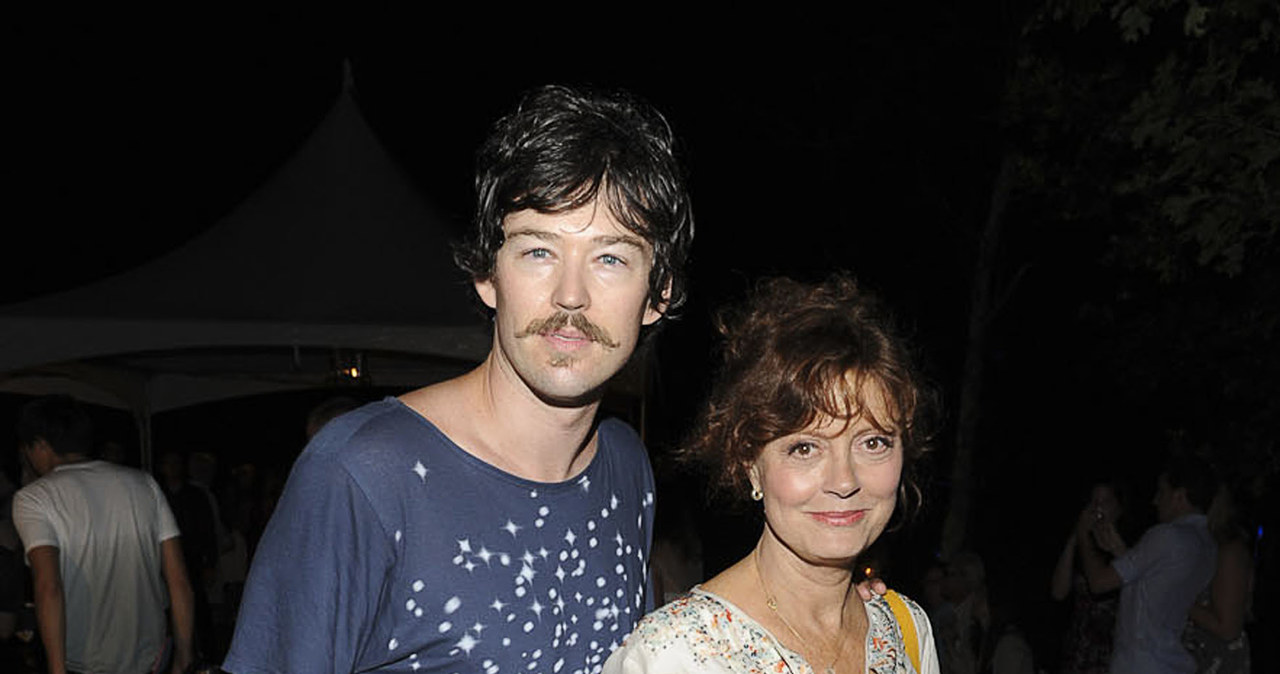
907	624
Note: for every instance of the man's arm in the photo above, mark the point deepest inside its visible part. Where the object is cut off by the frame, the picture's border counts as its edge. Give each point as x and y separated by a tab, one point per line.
50	615
318	577
1102	577
182	602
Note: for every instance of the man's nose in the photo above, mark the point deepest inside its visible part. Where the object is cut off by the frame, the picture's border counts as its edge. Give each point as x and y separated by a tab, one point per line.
571	293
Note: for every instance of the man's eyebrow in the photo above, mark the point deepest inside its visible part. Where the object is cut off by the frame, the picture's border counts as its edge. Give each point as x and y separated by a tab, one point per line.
539	234
624	239
602	240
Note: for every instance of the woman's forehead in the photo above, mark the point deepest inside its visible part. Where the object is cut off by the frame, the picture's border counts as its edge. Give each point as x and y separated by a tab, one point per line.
857	398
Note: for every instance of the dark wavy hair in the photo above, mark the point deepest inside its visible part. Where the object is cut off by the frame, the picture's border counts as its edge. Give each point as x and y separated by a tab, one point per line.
58	420
563	148
790	353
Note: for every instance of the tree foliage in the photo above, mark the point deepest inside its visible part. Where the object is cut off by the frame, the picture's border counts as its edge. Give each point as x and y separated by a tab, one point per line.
1193	121
1157	122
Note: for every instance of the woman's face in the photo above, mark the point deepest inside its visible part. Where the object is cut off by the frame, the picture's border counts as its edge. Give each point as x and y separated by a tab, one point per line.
1104	503
830	489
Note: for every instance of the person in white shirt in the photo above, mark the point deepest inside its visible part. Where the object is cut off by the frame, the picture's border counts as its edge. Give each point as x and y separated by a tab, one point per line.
103	548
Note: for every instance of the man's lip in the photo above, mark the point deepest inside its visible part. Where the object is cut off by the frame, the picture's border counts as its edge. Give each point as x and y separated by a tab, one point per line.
839	517
567	340
568	335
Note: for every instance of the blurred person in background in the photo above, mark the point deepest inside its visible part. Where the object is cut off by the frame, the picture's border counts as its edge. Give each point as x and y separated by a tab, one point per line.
1087	644
1215	632
1159	577
104	551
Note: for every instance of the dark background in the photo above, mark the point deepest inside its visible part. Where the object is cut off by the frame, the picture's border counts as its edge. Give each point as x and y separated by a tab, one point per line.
868	142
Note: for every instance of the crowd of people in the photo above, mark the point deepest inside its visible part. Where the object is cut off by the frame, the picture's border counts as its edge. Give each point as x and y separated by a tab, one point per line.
493	523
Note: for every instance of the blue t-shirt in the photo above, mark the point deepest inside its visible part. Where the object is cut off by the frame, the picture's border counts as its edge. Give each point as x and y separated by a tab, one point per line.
392	549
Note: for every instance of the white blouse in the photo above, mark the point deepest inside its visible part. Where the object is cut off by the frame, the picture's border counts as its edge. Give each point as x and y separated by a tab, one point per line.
704	633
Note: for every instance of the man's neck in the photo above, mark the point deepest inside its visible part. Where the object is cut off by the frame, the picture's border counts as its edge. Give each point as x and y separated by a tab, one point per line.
502	422
68	459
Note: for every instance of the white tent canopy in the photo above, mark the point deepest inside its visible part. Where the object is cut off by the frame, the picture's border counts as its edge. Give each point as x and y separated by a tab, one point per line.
336	259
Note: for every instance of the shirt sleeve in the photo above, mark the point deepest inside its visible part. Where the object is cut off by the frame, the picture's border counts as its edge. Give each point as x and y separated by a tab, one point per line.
34	528
663	652
166	523
313	590
1143	557
640	660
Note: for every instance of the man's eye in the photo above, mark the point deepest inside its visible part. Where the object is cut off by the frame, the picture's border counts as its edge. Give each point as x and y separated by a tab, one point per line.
611	260
537	253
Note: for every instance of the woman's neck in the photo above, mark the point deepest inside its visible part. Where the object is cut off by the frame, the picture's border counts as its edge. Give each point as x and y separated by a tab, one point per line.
807	595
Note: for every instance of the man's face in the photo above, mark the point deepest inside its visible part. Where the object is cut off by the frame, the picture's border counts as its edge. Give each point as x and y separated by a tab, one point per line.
570	292
37	456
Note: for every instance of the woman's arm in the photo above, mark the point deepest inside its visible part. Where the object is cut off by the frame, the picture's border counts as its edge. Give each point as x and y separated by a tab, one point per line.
1060	586
1228	594
1109	539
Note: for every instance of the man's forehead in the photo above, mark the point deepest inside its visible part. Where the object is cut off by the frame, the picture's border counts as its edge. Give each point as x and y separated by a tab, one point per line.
597	225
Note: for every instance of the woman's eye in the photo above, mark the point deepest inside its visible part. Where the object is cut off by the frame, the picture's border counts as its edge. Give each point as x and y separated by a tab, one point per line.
612	260
801	449
878	443
537	253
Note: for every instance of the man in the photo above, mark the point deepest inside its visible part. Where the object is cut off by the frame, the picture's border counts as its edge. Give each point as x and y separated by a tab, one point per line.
963	627
1159	577
490	523
100	539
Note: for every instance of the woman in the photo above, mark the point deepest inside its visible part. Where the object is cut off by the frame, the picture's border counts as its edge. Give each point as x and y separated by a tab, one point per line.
1087	647
1215	632
815	413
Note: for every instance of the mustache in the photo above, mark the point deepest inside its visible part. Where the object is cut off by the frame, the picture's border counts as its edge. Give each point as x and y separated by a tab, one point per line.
560	319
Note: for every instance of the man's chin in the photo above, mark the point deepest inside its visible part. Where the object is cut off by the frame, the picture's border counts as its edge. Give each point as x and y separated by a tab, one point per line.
569	399
568	392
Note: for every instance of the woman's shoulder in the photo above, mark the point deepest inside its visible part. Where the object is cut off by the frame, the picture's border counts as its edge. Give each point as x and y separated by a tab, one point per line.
699	630
698	612
890	647
882	607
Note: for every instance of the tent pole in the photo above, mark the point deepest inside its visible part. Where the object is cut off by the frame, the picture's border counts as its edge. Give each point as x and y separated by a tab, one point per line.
142	418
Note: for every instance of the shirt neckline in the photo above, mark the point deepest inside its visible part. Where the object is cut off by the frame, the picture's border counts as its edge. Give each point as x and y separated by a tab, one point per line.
791	657
585	474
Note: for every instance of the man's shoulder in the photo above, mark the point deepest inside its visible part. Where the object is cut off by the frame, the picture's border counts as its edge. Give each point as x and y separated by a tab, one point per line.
89	472
378	427
368	448
1185	531
618	435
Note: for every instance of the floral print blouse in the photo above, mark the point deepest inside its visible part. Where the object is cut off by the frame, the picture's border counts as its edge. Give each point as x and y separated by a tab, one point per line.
703	632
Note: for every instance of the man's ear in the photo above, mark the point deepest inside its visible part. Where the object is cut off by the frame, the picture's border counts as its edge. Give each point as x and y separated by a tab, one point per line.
487	291
654	312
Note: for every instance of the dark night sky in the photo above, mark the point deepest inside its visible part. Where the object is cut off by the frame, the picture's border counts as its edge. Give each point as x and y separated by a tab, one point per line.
865	142
813	145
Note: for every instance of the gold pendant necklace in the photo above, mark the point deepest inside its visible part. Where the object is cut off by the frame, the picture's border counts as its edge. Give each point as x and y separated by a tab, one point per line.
772	603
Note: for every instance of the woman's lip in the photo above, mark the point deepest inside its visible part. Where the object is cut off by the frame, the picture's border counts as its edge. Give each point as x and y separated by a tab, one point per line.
839	517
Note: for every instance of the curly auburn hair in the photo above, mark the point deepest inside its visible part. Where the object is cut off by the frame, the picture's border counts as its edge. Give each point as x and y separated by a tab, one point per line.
794	352
564	148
